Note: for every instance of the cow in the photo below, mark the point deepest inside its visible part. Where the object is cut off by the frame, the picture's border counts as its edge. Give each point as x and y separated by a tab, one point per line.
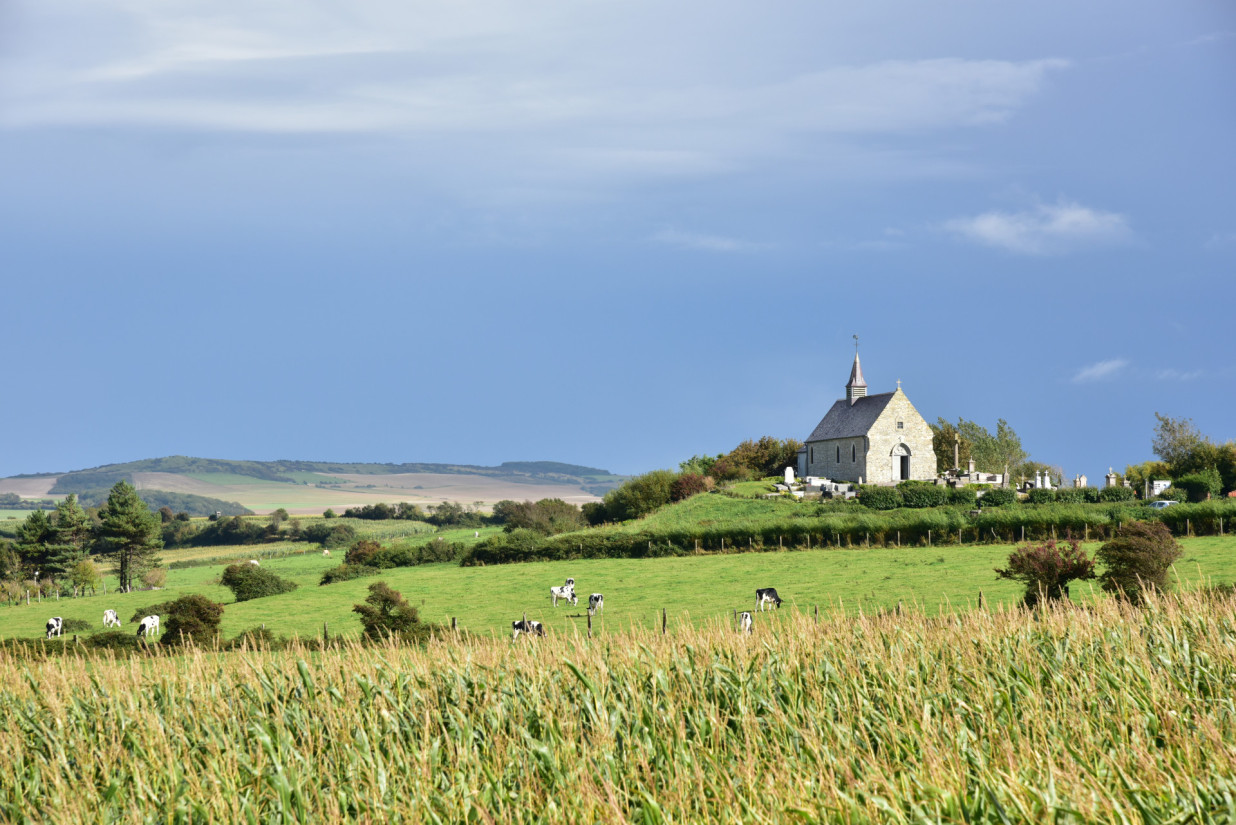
55	626
527	626
148	626
766	595
110	619
567	591
254	562
325	552
745	622
596	602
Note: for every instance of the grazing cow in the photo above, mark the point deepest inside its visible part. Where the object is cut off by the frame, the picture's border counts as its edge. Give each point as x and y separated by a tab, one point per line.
569	583
325	552
110	619
567	591
766	595
254	562
595	602
55	626
745	623
148	626
530	627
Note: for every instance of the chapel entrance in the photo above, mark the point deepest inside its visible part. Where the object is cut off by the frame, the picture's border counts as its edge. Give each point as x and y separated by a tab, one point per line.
901	463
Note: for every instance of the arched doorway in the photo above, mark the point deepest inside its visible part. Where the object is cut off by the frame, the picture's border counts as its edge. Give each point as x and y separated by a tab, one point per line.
900	463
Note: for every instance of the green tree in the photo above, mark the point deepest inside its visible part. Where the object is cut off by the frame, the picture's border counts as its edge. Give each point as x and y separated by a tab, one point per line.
85	576
386	613
34	536
766	457
999	453
71	533
130	534
1138	559
1046	570
944	436
192	618
1139	475
641	495
1175	439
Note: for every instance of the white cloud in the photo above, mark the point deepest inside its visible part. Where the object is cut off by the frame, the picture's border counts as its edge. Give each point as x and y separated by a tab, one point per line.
1178	375
1100	371
1045	229
703	242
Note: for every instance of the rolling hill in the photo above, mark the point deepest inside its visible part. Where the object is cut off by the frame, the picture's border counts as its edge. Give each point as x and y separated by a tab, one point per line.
208	484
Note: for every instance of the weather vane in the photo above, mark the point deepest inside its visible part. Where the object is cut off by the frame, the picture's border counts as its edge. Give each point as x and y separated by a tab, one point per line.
856	345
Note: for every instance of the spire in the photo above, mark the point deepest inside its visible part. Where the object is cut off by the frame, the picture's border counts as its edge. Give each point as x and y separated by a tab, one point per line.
857	387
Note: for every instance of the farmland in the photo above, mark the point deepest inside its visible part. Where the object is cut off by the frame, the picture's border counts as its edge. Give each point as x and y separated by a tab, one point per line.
1072	715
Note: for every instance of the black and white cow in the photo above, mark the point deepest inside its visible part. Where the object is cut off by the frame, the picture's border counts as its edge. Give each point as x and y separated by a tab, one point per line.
110	619
745	623
55	626
766	595
530	627
595	602
148	626
567	591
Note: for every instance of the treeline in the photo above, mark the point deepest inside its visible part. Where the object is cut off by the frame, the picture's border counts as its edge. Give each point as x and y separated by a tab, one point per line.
12	501
446	514
225	531
858	528
194	505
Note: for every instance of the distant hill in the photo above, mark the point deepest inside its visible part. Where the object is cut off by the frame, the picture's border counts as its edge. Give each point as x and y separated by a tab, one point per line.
207	484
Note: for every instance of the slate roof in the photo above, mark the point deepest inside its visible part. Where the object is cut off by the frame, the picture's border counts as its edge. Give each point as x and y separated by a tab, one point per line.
849	421
856	375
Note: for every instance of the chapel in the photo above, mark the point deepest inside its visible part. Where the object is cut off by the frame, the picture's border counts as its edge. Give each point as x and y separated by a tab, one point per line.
870	439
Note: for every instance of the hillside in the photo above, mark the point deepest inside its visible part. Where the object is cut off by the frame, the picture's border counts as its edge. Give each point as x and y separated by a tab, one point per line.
313	486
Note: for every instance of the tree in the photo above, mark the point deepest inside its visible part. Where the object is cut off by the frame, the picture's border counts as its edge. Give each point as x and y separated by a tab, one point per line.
1139	475
640	496
130	534
71	531
699	464
386	613
85	576
1175	438
1046	570
766	457
1138	559
687	485
166	514
997	453
278	516
328	513
193	619
1200	486
943	437
248	581
34	535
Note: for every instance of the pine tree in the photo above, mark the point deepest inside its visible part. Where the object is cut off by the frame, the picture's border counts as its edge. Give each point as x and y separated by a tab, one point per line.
33	537
130	534
70	536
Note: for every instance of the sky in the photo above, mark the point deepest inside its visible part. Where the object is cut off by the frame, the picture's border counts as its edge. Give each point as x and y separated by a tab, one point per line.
616	234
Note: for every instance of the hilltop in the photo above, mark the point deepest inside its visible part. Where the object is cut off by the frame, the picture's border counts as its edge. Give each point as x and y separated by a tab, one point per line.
203	485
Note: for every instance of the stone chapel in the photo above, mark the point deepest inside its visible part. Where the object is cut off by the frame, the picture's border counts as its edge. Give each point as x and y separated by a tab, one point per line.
870	439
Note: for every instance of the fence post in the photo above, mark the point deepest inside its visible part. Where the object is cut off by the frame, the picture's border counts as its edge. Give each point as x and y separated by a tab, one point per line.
1023	532
589	625
898	538
1188	528
817	614
27	597
928	538
982	601
778	542
325	633
663	621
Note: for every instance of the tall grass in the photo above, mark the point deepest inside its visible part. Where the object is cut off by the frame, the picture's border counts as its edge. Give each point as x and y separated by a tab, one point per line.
1096	714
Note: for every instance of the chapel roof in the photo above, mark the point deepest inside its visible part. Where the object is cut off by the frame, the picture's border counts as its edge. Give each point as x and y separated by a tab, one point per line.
846	420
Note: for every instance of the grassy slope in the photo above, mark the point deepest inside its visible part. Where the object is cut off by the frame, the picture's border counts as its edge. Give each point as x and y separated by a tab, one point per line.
487	599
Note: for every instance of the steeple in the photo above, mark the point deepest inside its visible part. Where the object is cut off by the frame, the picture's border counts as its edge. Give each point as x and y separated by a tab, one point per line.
857	387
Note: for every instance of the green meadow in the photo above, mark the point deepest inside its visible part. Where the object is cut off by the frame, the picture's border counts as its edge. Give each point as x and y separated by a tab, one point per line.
691	589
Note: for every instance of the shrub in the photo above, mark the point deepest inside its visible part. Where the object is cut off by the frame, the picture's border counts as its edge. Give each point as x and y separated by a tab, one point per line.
879	498
1071	495
640	496
330	535
160	609
117	640
362	551
1174	493
923	494
963	497
595	513
998	497
248	581
1138	559
347	572
387	614
76	626
1092	495
687	485
1046	570
193	619
1041	496
1117	493
155	578
328	513
1200	486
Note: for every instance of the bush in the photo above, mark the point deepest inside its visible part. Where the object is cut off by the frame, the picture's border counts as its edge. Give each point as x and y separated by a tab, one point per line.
117	640
193	619
687	485
330	535
921	494
880	498
1117	493
640	496
387	614
1138	559
256	638
160	609
1071	495
595	513
76	626
998	497
248	581
963	497
1041	496
155	578
347	572
362	551
1200	486
1174	493
328	513
1046	570
1092	495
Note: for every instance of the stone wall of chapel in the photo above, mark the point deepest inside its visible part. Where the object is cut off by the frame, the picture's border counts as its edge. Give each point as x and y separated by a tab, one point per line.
822	459
915	434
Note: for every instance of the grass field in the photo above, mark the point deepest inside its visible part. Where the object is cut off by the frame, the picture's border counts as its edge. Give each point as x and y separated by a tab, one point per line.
692	589
1064	716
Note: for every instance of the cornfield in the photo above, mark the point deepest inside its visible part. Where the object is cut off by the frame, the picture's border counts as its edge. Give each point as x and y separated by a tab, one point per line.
1099	713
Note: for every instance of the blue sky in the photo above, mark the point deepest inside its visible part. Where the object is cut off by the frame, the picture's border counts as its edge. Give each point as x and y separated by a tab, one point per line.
609	233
